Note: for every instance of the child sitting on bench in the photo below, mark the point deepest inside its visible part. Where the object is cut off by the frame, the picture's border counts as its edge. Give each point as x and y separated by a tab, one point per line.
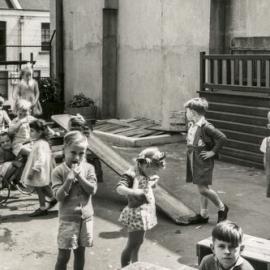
227	246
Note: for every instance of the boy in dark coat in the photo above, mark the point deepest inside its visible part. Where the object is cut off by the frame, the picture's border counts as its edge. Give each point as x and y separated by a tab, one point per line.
203	143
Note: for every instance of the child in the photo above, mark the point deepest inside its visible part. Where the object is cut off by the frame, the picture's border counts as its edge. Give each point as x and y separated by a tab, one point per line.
203	143
20	130
227	247
28	89
77	122
140	214
37	171
6	155
4	118
74	183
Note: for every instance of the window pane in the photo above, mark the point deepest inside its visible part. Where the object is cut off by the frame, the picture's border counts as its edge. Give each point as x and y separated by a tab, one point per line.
45	36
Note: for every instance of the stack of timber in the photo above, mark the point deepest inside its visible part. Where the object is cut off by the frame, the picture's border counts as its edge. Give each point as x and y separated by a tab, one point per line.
135	132
243	118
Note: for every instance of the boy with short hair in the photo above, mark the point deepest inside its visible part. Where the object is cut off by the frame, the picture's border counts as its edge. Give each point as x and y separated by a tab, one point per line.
203	143
227	246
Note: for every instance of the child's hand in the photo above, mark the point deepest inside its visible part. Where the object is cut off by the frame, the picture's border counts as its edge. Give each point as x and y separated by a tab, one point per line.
207	154
70	177
76	170
153	180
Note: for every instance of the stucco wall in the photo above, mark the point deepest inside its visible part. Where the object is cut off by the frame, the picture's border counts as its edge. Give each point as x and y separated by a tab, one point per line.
83	48
247	18
159	45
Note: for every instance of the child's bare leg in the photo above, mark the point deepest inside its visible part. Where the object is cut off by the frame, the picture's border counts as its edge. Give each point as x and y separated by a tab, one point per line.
62	259
131	250
204	207
79	258
47	191
41	198
212	196
139	236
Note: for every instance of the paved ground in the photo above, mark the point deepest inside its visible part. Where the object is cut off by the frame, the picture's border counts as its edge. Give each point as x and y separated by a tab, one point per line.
27	243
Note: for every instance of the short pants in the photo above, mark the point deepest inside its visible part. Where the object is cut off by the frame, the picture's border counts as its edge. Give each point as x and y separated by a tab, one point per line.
74	234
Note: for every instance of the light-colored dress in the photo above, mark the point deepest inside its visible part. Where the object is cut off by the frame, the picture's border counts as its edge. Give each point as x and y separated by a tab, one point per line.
39	164
143	217
22	135
29	91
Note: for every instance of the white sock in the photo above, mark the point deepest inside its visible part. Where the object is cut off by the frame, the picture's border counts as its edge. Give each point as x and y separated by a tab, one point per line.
204	213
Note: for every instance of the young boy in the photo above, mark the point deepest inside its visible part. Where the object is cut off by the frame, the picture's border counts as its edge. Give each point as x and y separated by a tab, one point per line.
203	143
227	247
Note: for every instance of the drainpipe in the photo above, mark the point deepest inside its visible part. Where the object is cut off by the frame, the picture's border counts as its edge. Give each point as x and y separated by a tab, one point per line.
60	45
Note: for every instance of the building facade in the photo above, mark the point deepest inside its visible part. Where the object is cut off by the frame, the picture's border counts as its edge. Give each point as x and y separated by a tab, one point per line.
24	36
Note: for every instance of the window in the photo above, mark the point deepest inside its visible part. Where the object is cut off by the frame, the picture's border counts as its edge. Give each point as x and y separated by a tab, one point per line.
45	36
2	41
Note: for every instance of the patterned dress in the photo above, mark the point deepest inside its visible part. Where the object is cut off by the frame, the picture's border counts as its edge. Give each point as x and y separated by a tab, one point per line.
142	217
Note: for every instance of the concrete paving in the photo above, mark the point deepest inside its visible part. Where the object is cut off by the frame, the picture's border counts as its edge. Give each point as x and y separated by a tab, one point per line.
30	243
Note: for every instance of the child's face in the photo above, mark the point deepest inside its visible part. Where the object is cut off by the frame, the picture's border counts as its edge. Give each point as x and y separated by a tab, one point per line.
27	76
5	142
23	113
190	114
150	169
74	153
35	135
226	253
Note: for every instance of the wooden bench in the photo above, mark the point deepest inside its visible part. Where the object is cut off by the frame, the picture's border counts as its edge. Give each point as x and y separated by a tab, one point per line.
257	251
150	266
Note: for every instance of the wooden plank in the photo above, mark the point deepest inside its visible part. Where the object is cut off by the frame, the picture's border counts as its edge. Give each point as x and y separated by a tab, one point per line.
238	118
232	71
249	72
169	204
240	88
120	130
255	157
267	73
252	147
240	161
238	109
259	73
215	72
237	98
241	72
224	71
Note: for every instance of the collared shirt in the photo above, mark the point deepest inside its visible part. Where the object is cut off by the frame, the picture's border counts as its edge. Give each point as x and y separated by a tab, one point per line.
192	130
210	262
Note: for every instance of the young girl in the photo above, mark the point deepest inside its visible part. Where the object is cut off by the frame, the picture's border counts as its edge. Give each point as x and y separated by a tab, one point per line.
20	130
4	118
74	183
28	89
140	214
37	171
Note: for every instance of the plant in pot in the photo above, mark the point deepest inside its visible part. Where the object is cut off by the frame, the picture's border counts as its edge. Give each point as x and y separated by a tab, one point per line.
84	106
50	97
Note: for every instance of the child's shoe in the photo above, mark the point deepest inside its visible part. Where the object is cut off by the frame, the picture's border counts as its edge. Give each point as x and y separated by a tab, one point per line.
222	215
198	219
39	213
52	203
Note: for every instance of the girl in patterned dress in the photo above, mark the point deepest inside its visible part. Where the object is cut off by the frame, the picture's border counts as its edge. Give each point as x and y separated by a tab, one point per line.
140	213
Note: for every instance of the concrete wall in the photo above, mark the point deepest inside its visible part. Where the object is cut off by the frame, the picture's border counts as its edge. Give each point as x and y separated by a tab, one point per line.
247	18
30	34
83	48
159	45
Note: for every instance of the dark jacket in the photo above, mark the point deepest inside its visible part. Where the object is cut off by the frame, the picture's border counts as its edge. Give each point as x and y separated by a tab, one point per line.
207	138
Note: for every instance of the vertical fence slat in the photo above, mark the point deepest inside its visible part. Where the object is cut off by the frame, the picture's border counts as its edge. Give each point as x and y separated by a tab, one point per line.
259	73
215	71
232	72
240	72
249	72
209	71
202	70
224	71
267	73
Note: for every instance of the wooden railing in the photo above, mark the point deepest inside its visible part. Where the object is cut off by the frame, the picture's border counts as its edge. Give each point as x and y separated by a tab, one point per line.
246	73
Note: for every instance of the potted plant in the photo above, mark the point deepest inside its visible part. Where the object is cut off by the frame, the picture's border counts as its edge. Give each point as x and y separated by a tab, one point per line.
50	97
82	105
